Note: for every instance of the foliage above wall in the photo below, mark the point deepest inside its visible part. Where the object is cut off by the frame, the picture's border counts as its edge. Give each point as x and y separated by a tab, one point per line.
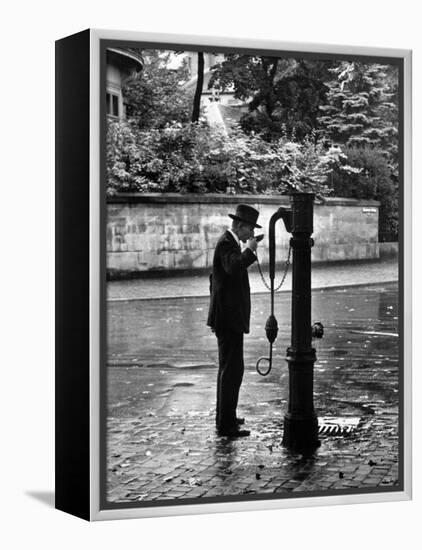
325	126
193	157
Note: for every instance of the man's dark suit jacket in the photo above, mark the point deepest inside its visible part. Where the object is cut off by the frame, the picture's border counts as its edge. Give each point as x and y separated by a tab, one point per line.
230	305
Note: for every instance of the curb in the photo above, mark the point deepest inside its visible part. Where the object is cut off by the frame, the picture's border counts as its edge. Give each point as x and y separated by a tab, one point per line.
253	293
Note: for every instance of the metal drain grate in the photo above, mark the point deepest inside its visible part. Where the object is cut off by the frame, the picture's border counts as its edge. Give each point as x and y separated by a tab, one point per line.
338	425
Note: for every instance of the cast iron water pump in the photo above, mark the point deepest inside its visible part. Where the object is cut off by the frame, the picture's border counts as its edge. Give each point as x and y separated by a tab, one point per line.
300	421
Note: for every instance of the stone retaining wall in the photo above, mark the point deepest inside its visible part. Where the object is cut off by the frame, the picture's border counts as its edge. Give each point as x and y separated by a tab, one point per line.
147	233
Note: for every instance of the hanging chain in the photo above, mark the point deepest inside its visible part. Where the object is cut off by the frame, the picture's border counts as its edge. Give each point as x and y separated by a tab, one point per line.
286	269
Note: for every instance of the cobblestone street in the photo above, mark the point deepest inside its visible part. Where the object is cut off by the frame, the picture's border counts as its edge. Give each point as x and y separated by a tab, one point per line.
161	439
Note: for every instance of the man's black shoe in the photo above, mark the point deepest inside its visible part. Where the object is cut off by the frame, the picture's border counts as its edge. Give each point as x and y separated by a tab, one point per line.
234	433
239	422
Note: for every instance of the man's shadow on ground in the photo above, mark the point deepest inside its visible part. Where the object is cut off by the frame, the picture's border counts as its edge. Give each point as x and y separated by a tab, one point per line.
45	497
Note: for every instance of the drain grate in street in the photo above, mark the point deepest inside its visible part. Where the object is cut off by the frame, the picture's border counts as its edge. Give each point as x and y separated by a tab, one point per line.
338	425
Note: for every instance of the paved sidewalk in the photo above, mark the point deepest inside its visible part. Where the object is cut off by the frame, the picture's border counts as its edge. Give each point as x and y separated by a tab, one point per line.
161	438
170	450
327	275
182	458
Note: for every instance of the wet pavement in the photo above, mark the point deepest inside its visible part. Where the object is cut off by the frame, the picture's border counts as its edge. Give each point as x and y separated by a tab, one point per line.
324	275
161	395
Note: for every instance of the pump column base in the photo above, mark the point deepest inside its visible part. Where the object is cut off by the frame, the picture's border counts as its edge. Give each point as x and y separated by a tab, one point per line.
301	421
301	433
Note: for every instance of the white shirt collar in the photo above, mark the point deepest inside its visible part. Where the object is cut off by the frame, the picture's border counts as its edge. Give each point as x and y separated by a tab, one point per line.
236	238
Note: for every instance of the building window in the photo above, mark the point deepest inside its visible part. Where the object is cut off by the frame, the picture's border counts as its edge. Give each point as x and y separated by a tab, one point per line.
113	104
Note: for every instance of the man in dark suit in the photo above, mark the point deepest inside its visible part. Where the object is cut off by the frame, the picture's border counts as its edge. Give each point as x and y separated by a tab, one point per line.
229	313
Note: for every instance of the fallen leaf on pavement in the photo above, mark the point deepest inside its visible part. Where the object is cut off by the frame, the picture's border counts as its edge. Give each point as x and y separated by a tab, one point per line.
195	482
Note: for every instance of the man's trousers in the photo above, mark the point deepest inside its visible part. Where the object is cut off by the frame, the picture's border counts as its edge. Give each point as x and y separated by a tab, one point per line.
229	380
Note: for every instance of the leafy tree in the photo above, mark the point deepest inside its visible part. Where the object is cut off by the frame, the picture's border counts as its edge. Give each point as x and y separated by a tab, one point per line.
361	115
156	97
283	95
362	107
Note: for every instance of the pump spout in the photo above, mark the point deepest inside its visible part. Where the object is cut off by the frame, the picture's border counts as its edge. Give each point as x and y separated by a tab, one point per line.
286	215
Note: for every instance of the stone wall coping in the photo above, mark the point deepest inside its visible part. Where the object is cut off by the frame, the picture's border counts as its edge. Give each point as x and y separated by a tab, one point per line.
220	198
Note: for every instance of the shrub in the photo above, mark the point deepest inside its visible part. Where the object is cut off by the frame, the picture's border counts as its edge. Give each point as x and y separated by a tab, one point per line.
194	157
373	179
151	160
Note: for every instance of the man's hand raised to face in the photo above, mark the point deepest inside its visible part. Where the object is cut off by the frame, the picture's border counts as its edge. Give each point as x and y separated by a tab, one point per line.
252	244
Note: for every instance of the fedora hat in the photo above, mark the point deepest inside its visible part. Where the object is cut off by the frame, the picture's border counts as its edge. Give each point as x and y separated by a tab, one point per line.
246	213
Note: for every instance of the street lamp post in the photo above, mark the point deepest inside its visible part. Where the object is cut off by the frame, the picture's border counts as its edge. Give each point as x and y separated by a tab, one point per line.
300	421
